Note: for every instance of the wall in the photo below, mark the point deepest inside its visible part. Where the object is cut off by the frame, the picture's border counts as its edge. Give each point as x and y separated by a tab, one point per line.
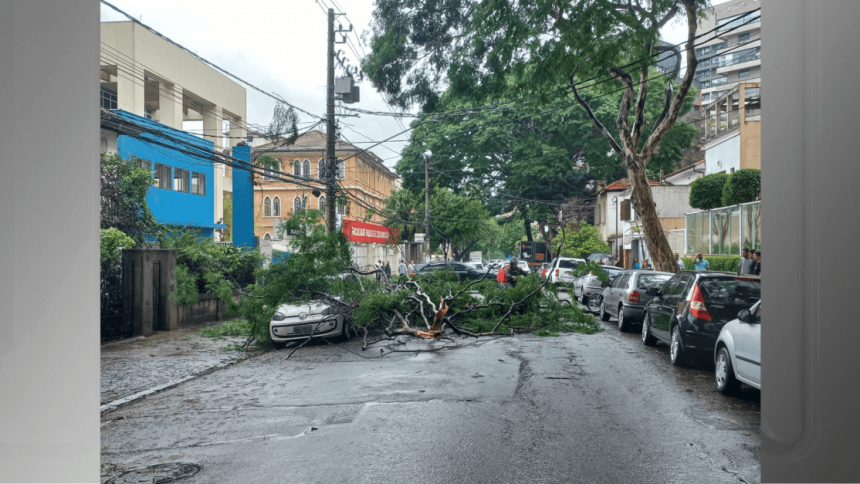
672	201
727	151
750	146
169	206
207	308
243	202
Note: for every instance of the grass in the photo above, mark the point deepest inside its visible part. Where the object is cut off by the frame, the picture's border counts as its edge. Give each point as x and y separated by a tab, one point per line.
237	328
233	347
150	343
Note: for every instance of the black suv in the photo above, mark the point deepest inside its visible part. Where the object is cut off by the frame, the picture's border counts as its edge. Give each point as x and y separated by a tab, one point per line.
464	272
691	308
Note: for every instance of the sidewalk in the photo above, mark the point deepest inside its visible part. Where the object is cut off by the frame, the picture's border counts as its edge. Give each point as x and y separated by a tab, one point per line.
136	367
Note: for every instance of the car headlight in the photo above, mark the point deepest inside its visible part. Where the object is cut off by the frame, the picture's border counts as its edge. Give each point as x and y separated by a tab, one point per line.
279	316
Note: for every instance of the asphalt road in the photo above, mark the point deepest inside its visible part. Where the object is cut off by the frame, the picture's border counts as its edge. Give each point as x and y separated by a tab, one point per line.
577	408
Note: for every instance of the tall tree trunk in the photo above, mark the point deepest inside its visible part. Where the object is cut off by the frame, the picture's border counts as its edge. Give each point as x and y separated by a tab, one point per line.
643	203
528	225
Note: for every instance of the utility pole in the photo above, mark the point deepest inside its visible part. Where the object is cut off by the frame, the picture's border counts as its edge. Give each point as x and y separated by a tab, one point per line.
426	205
330	160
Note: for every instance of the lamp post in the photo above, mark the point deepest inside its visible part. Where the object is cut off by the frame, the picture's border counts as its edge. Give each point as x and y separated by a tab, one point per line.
617	252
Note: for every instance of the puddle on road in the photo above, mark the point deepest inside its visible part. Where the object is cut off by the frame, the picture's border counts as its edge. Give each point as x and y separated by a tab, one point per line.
157	474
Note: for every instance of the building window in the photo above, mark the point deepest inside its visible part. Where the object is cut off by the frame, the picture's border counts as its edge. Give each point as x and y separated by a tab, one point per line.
719	81
738	20
706	96
743	73
181	180
341	207
297	204
320	169
268	172
625	210
145	164
198	183
276	207
306	168
721	46
147	112
322	204
744	37
267	207
161	179
297	168
108	99
731	170
706	84
268	236
341	169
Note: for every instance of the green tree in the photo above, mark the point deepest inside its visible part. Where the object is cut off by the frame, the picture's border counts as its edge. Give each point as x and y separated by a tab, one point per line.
476	47
459	223
402	212
111	241
124	185
742	186
706	193
228	217
580	240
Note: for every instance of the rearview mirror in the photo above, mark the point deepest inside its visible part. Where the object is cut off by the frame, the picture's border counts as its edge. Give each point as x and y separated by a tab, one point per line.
653	291
746	316
604	284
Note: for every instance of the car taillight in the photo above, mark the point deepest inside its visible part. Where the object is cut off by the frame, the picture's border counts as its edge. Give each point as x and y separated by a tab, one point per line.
634	297
556	273
697	305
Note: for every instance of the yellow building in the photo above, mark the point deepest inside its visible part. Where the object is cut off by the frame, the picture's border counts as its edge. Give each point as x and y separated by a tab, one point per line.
362	176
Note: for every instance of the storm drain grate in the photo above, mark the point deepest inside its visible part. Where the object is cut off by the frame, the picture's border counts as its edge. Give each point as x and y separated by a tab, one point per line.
157	474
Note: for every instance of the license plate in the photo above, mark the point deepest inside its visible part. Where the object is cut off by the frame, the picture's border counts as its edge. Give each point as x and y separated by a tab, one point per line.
302	329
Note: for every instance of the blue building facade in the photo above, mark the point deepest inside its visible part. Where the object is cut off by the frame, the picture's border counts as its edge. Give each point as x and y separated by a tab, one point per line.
183	190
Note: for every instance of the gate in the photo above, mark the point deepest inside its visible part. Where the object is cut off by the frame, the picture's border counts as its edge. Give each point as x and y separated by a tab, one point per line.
117	299
156	297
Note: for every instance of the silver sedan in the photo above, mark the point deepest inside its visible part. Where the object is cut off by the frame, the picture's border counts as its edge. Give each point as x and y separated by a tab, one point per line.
627	296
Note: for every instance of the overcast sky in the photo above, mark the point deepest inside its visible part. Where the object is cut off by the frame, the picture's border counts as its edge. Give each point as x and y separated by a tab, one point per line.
280	46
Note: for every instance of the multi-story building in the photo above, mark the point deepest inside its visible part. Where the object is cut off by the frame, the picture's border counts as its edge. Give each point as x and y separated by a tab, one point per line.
362	175
733	127
145	75
732	53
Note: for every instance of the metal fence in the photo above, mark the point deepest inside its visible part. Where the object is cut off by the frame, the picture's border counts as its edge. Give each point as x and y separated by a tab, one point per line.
725	230
117	299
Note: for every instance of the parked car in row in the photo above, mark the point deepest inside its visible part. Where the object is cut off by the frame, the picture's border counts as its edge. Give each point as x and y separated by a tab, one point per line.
626	297
297	321
587	284
737	355
561	270
464	272
691	308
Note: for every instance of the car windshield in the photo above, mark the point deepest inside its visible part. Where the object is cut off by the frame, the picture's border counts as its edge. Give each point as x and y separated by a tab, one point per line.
612	272
568	264
725	297
647	281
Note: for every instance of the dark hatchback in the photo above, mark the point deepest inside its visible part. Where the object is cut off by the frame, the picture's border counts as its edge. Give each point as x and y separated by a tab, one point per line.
691	308
464	272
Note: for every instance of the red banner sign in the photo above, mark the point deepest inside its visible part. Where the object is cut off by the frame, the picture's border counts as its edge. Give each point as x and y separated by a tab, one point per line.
364	232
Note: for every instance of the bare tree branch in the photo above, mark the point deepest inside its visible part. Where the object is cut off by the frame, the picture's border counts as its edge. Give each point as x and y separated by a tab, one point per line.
597	122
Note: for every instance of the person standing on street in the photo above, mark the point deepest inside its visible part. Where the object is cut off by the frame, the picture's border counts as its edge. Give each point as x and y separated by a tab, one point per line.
387	270
411	267
646	264
757	266
513	271
680	262
401	269
701	263
378	268
636	264
745	266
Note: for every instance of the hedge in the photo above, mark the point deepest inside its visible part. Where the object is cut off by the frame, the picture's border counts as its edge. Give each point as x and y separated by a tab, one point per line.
723	263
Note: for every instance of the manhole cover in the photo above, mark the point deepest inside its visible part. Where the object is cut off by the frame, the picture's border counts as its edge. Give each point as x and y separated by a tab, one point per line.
157	474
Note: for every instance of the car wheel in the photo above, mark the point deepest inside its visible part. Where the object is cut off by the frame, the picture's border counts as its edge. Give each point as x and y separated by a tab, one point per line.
603	314
279	346
344	332
725	374
677	354
648	339
623	325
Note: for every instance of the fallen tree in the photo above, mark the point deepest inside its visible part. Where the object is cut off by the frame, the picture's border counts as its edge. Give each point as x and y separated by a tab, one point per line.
429	307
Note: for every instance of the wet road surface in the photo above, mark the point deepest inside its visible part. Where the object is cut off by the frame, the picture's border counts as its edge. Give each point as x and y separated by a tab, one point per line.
577	408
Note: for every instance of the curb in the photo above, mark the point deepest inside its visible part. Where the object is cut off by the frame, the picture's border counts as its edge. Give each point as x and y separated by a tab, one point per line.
122	341
137	396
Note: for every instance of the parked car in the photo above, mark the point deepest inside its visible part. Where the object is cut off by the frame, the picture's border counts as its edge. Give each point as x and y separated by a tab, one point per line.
478	266
463	271
737	354
296	321
588	284
627	296
561	270
691	308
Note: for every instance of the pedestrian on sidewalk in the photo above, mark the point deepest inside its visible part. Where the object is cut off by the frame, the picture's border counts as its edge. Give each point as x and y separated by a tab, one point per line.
646	264
401	270
411	267
378	268
680	262
387	270
701	263
636	264
757	267
745	266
